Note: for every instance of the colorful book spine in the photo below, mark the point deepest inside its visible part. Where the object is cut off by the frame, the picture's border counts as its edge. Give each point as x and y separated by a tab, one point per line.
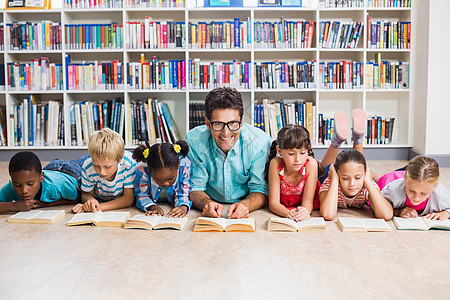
80	4
284	75
156	74
383	34
340	34
44	35
38	75
209	75
387	75
233	34
341	3
379	130
388	3
154	3
341	75
94	36
95	75
284	34
155	34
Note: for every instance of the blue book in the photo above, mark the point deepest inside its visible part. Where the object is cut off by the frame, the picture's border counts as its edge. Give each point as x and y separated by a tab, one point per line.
237	33
170	73
301	113
175	74
30	121
73	127
143	133
256	118
173	130
67	59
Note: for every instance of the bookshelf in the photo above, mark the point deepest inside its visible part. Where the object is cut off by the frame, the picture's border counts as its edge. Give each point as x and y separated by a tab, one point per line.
395	103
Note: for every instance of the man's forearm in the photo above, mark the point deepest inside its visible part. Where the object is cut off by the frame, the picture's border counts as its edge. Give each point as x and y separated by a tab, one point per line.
199	199
254	201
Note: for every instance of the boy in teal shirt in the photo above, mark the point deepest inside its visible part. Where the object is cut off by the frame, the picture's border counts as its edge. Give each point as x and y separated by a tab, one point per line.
31	187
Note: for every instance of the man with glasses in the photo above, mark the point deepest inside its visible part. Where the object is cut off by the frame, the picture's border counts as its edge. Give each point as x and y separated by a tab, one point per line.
228	158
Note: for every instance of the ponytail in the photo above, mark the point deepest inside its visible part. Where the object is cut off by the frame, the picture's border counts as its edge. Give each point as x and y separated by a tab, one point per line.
272	154
162	155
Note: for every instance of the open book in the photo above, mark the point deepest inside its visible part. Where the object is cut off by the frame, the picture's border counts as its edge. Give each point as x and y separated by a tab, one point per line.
37	216
155	222
222	224
286	224
362	225
420	224
99	218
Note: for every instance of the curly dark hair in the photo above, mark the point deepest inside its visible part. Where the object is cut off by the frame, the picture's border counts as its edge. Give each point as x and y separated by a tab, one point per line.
223	98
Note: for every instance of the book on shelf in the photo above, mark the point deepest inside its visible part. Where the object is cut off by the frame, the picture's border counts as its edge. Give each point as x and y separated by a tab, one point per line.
387	75
271	116
341	75
326	126
420	224
101	219
196	114
155	222
340	34
150	34
388	34
37	216
232	34
80	4
362	225
209	75
390	3
94	36
284	75
379	130
341	3
223	224
3	126
286	224
43	35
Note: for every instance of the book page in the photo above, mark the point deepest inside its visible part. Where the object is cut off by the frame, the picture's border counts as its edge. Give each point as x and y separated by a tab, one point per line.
437	223
112	216
83	218
311	222
411	223
351	223
152	220
247	221
48	214
219	221
26	214
286	221
376	224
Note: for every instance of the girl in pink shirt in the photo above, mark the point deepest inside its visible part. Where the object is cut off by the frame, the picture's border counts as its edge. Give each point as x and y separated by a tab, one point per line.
349	182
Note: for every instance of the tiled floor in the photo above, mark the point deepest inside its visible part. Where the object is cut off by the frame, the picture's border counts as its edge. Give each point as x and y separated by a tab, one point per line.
59	262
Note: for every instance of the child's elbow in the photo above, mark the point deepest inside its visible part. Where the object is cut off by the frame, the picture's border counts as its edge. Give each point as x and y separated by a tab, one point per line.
386	216
328	215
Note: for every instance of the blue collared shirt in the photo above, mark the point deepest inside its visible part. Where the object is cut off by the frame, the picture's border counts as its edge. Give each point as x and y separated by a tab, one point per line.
228	178
147	191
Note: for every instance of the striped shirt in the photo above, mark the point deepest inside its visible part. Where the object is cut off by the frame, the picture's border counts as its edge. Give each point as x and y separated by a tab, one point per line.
343	201
147	191
109	190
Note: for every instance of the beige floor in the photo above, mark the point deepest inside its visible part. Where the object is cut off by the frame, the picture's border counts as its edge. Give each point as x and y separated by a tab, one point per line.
59	262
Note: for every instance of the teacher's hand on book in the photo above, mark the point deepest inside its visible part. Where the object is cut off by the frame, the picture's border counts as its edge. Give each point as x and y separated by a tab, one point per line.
238	211
213	210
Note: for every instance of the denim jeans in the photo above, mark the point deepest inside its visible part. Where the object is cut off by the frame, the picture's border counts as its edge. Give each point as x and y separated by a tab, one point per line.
70	167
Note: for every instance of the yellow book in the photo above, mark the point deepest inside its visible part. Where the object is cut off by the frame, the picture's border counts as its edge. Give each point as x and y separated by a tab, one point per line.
222	224
286	224
101	219
309	119
37	216
362	225
155	222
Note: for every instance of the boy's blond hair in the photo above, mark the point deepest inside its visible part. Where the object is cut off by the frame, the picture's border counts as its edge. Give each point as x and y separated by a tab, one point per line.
422	168
106	144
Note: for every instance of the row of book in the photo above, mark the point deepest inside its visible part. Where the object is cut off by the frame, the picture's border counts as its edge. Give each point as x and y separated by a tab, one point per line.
210	75
284	34
152	121
387	75
94	36
36	124
284	75
197	114
220	35
325	130
87	117
155	35
155	74
379	130
340	3
44	35
339	34
77	4
38	75
95	75
385	34
388	3
341	75
272	116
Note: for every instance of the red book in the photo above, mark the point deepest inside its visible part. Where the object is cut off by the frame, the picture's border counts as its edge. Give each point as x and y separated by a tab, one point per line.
311	33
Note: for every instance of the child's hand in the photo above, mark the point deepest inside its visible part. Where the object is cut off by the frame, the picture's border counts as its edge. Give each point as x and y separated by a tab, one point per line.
78	208
368	178
177	212
91	205
155	210
26	205
332	174
443	215
408	212
301	214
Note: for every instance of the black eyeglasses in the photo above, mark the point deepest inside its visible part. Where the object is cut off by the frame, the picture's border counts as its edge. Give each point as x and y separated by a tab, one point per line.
219	126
